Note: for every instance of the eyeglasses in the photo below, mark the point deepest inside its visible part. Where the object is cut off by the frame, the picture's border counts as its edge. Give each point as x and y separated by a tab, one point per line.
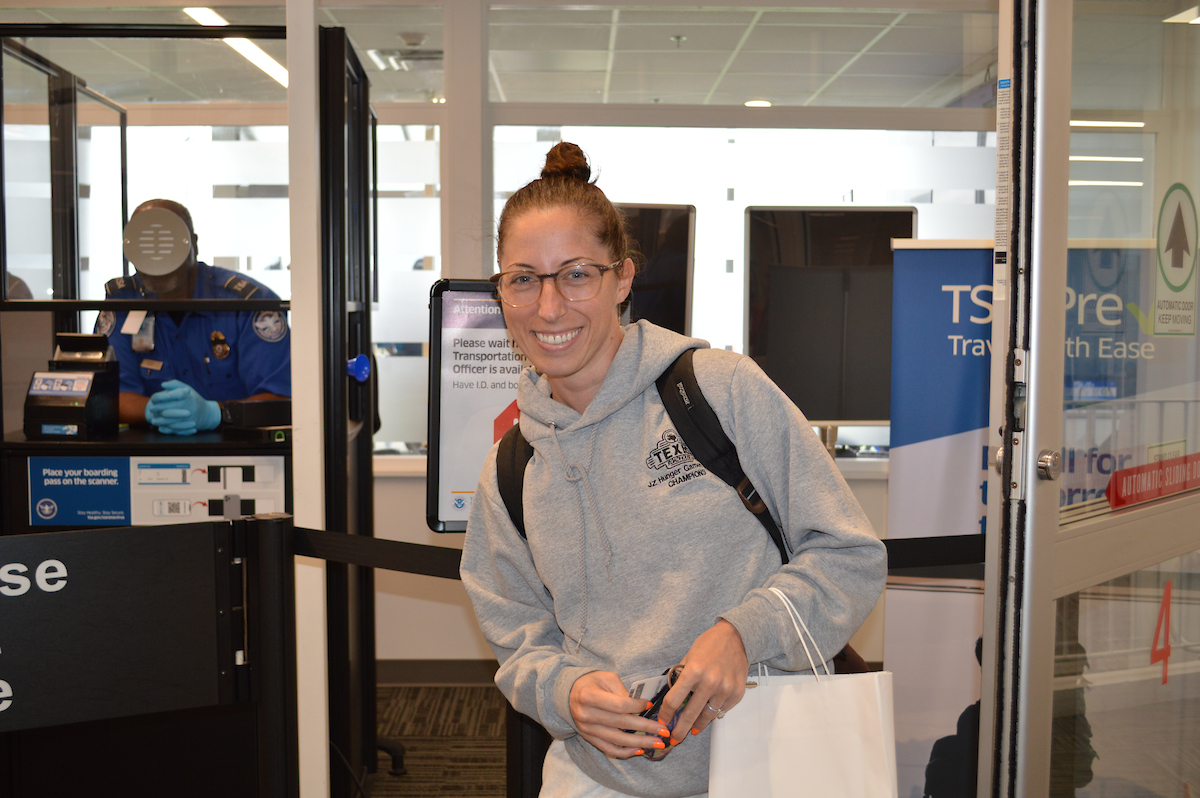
578	282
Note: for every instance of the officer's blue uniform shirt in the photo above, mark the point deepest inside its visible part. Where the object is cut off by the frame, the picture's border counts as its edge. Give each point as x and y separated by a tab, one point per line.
224	355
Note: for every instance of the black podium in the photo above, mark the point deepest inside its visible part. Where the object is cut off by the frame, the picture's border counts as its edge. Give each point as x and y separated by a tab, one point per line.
149	660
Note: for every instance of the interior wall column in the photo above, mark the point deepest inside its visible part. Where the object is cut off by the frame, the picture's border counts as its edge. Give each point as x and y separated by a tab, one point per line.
466	143
308	482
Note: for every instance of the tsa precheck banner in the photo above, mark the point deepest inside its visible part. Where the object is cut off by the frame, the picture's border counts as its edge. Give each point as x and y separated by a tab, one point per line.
937	483
941	356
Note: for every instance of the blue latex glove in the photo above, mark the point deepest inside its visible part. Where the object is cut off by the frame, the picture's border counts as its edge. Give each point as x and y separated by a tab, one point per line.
178	410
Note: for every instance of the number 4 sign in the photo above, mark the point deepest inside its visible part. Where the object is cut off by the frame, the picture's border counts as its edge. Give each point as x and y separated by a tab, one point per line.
1163	626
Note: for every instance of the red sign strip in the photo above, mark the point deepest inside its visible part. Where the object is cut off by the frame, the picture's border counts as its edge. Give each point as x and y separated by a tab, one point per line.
1153	481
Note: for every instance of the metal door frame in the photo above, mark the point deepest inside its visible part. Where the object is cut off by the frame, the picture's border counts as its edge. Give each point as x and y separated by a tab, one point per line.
347	222
1034	560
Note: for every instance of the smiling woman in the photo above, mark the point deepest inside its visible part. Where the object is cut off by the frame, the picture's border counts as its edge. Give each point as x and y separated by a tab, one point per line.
634	565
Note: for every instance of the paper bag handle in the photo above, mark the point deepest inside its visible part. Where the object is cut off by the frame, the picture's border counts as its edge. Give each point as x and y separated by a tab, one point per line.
798	624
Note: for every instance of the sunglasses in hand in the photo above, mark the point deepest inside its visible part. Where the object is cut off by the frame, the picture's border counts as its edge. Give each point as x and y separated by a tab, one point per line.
666	682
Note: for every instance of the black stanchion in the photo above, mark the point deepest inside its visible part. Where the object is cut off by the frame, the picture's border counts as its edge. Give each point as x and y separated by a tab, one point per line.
271	626
527	743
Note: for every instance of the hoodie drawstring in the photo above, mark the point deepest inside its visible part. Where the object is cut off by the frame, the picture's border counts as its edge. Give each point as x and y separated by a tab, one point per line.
577	475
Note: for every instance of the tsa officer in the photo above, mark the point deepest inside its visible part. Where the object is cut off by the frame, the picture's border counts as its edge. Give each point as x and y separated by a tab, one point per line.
178	367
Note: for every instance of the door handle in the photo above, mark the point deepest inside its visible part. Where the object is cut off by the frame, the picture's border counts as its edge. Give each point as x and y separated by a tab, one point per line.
359	368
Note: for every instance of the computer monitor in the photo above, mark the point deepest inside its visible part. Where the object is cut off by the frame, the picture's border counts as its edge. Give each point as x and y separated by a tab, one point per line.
819	306
664	236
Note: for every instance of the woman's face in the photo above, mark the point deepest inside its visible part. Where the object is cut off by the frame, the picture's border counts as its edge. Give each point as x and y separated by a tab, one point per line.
571	343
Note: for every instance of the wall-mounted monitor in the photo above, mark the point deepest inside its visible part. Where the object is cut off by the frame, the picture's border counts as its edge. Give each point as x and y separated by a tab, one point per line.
819	306
662	291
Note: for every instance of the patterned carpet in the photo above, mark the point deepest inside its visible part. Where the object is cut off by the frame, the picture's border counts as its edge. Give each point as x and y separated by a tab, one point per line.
453	739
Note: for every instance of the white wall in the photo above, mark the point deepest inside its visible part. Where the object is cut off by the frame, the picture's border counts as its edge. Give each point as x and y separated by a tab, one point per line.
419	617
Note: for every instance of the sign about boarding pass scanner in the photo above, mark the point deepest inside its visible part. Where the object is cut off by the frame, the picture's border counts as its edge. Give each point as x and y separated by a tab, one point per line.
1153	481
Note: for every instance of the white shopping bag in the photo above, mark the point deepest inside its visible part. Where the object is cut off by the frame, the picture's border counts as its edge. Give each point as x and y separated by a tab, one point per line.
831	736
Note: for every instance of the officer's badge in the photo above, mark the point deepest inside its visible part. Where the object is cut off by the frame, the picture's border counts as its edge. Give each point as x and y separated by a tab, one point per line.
270	325
220	347
105	322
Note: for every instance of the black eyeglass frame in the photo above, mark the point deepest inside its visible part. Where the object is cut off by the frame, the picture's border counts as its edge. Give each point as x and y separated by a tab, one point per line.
542	278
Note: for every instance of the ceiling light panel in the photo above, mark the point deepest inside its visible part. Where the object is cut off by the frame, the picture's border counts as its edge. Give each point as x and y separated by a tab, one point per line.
1191	16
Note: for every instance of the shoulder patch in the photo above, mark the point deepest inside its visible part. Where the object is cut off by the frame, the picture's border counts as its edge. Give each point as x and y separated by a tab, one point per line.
104	322
270	325
242	287
117	284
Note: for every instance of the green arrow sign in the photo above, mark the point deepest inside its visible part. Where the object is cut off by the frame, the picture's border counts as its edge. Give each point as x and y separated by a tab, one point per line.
1175	291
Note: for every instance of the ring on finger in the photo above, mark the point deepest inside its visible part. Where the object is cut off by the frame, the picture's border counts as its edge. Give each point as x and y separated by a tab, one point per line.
720	713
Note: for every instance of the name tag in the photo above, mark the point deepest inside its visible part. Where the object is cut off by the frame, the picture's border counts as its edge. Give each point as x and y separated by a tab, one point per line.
143	341
153	365
133	322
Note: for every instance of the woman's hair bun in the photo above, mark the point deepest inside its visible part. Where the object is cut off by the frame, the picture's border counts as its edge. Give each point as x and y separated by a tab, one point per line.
567	160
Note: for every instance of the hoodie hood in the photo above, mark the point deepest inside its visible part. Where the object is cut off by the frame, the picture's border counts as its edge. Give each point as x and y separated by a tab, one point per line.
645	353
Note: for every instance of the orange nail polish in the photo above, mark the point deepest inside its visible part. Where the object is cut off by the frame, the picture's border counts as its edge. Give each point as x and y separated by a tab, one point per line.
695	732
663	732
659	744
639	752
648	706
675	742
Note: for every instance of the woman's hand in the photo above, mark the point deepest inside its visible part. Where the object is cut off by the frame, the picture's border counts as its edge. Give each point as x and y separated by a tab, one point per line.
714	672
605	715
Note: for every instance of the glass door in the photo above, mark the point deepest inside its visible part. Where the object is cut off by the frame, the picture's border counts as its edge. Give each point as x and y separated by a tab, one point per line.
1096	572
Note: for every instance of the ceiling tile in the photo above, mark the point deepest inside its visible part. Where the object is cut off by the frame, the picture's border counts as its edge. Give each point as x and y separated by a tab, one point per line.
547	37
697	38
679	63
505	61
829	39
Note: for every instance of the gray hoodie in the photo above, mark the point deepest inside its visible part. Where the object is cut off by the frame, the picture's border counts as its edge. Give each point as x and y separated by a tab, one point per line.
634	549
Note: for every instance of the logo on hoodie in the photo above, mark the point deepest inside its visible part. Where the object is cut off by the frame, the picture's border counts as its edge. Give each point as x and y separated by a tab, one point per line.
672	461
669	452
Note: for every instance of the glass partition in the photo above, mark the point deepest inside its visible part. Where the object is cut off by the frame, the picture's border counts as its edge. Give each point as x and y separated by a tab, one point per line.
207	128
1132	378
27	208
850	57
113	14
103	206
146	70
409	264
1127	685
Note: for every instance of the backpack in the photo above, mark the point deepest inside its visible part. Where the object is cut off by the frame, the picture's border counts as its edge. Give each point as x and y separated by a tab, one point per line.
696	423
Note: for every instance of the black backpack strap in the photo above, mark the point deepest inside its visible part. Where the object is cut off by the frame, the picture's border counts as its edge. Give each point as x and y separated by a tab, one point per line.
511	458
698	425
